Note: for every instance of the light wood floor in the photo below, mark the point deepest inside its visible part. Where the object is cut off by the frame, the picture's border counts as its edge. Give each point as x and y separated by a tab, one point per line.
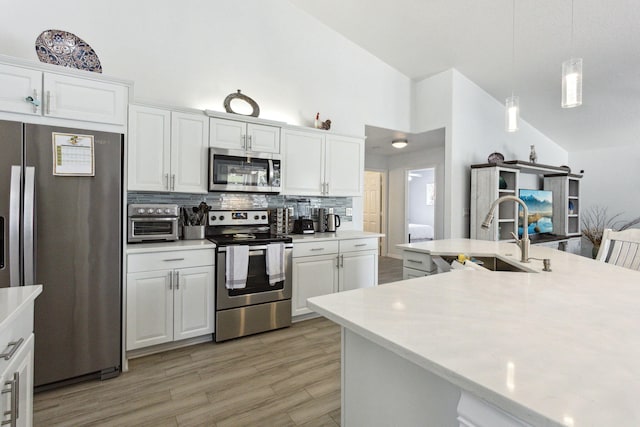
281	378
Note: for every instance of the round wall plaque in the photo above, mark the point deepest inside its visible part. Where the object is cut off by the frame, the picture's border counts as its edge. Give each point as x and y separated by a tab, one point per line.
242	97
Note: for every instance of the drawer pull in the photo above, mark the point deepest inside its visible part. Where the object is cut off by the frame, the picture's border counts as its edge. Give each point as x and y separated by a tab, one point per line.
359	245
14	347
317	249
413	260
173	259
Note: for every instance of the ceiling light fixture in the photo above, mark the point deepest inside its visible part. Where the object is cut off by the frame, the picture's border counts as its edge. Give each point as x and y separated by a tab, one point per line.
571	77
399	143
512	104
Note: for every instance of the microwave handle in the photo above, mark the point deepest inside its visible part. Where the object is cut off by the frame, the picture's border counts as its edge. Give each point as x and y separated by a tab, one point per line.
270	172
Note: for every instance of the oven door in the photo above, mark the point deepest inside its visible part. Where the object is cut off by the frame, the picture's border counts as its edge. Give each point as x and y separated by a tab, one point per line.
149	229
255	173
258	289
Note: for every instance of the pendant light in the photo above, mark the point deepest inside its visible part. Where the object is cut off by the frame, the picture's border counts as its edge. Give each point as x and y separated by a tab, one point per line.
571	77
512	104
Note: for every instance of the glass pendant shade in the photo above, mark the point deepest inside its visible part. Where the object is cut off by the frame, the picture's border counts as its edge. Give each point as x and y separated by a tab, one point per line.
512	113
572	83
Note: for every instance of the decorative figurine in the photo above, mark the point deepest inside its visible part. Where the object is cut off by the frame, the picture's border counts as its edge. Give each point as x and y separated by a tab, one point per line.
326	125
533	157
315	123
241	96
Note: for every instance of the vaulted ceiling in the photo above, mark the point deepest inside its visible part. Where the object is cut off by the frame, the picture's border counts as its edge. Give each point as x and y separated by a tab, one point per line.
421	38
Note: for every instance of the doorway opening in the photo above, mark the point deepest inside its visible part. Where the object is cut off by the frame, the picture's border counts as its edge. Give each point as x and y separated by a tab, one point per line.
421	205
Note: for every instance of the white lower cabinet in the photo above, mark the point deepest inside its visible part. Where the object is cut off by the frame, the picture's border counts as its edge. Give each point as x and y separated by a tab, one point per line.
16	405
417	264
325	267
169	304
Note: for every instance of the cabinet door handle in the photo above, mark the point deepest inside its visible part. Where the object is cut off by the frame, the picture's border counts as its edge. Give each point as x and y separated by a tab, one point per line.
317	249
173	182
244	141
48	102
13	390
337	261
413	260
327	192
359	245
14	347
177	280
171	280
250	142
173	259
33	100
341	260
166	180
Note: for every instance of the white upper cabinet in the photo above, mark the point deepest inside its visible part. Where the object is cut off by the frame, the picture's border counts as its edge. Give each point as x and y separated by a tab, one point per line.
167	150
322	165
303	163
344	166
16	84
189	143
74	98
41	93
149	148
236	135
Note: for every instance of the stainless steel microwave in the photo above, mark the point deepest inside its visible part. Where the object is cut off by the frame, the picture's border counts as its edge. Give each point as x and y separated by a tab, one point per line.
237	171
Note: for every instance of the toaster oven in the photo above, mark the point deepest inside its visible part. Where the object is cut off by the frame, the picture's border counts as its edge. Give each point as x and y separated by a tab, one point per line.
152	222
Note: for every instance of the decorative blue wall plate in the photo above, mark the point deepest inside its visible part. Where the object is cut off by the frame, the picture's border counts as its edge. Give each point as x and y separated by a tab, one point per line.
64	48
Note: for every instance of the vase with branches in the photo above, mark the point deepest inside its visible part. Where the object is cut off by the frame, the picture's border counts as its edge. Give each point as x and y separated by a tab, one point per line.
596	219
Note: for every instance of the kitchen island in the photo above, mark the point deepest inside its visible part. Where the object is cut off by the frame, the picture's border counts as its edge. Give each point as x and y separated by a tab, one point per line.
540	348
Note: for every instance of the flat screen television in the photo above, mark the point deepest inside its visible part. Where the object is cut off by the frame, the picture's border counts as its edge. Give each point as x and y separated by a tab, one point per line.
540	205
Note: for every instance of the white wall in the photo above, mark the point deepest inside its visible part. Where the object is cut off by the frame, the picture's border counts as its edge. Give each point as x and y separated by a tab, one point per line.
610	179
195	53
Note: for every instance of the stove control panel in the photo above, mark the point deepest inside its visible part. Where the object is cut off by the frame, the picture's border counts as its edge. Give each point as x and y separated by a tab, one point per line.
238	218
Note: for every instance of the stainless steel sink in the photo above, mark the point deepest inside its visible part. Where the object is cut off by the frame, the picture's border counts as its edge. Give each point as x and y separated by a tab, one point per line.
489	262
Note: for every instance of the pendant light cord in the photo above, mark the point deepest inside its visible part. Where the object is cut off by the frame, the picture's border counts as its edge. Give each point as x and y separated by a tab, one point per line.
571	46
513	48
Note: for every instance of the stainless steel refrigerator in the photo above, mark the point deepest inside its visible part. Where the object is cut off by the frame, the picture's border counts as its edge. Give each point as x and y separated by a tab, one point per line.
64	232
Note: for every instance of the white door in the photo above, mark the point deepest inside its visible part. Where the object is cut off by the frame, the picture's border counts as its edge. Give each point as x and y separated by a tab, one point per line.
194	308
344	166
228	134
372	210
149	308
312	276
16	84
303	163
75	98
263	139
189	145
358	270
149	160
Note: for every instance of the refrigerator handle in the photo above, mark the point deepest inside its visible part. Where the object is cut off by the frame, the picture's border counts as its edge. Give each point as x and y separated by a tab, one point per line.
14	227
29	225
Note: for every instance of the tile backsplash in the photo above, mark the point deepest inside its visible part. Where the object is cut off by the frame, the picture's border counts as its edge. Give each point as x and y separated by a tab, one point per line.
221	201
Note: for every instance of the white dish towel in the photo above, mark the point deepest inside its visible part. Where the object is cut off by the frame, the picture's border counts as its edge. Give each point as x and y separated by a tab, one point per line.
237	266
275	262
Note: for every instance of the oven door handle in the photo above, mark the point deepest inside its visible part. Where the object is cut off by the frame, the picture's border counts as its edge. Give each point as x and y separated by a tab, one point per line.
257	248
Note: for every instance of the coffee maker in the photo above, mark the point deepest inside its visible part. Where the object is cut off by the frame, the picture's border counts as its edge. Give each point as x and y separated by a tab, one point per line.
303	224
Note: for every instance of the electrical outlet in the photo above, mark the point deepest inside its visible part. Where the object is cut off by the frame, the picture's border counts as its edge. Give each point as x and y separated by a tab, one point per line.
349	211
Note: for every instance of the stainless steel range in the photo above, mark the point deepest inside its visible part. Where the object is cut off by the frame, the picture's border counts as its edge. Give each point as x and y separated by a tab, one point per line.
256	305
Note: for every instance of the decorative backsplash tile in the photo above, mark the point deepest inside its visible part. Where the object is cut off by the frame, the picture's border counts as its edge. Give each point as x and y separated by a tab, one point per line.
242	201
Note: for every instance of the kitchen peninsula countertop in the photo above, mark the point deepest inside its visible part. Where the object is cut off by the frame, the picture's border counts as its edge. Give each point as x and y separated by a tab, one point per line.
570	337
338	235
13	300
179	245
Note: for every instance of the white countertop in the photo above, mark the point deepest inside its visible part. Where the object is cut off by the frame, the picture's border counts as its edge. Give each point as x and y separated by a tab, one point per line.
550	347
180	245
338	235
12	300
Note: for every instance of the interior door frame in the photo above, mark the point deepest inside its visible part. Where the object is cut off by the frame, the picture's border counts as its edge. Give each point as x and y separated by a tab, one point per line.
384	209
406	199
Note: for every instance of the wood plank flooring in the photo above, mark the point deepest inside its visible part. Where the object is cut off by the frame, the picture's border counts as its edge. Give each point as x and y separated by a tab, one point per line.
289	377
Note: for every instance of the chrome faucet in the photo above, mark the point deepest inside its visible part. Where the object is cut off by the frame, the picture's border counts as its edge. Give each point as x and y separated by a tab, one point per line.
522	243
